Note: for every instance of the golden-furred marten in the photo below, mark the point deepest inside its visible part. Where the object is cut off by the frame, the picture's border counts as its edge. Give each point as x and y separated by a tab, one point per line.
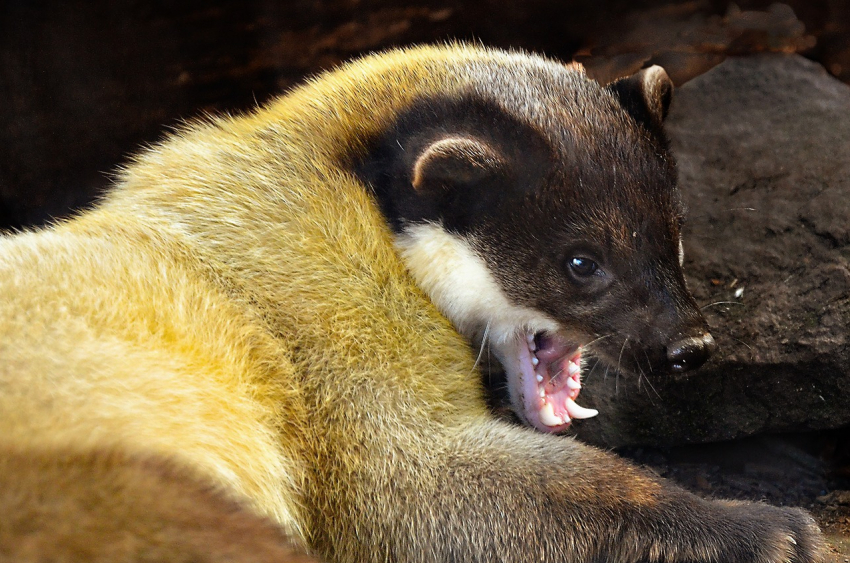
248	309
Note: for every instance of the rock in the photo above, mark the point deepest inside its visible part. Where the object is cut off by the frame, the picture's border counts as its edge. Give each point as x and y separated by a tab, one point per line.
763	145
835	497
688	42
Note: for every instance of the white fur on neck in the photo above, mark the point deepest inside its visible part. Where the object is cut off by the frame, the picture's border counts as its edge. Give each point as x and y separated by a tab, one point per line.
458	281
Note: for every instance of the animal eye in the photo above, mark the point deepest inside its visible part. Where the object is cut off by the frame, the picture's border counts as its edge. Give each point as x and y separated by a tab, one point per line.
582	267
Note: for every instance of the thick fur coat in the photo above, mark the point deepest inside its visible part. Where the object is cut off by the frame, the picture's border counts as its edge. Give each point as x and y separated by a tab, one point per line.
235	308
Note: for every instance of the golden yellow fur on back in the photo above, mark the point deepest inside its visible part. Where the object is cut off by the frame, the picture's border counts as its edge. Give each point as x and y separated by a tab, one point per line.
218	294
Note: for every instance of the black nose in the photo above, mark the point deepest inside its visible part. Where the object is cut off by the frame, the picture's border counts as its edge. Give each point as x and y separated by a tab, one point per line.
689	353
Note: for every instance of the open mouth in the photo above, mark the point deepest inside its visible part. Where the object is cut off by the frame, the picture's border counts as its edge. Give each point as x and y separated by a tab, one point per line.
544	381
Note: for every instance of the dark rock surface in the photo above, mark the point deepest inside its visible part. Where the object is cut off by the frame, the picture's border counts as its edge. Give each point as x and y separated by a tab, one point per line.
763	145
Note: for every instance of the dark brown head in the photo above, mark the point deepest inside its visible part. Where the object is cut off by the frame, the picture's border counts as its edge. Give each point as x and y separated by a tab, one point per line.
540	211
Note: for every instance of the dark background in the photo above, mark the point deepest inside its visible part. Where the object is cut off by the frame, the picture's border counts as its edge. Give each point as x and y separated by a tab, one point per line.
83	84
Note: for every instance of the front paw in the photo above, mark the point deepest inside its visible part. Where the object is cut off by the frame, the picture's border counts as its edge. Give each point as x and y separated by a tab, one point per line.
775	535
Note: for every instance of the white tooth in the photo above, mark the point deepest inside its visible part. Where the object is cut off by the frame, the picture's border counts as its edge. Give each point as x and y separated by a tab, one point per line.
547	416
573	384
573	369
576	411
542	393
534	361
530	338
539	378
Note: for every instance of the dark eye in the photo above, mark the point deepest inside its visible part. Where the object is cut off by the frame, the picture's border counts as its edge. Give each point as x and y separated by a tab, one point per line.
582	267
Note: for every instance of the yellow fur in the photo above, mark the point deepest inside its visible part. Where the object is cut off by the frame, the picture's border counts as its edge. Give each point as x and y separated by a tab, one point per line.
232	276
103	506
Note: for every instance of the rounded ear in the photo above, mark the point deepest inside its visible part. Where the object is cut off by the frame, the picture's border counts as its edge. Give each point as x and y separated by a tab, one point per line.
646	95
455	161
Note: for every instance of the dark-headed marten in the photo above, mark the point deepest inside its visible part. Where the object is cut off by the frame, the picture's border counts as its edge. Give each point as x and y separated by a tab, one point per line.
258	301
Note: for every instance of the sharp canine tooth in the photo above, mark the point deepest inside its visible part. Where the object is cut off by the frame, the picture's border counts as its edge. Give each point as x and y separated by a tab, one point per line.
547	416
573	384
539	378
573	369
542	393
534	361
530	338
576	411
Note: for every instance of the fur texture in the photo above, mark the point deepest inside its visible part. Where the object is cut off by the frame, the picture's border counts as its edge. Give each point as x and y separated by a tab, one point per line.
108	507
235	306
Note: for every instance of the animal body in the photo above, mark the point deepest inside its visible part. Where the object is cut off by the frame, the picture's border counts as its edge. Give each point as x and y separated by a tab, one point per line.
255	309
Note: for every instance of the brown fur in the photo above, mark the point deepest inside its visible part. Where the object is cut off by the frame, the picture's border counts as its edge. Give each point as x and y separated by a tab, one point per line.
235	306
109	507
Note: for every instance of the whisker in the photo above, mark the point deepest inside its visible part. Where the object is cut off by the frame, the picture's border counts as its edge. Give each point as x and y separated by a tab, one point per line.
619	359
483	344
739	341
654	390
704	307
622	349
643	377
597	361
489	360
648	361
750	348
594	341
587	377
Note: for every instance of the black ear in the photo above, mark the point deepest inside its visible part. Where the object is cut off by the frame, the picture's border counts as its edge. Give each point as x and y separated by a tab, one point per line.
454	161
646	95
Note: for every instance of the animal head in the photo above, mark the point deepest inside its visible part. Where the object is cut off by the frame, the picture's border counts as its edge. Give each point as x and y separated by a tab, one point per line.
540	212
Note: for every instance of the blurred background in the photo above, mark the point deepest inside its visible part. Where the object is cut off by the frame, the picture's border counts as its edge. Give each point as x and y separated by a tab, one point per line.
85	84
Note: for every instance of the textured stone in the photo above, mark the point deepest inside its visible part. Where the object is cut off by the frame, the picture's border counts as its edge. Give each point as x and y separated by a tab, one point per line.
763	145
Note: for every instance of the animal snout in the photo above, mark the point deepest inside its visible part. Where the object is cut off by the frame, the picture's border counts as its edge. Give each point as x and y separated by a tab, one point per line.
689	353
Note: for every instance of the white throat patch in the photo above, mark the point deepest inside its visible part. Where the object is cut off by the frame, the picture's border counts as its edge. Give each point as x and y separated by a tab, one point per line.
458	281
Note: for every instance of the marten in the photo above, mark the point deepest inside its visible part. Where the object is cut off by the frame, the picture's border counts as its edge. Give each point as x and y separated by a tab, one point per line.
278	307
